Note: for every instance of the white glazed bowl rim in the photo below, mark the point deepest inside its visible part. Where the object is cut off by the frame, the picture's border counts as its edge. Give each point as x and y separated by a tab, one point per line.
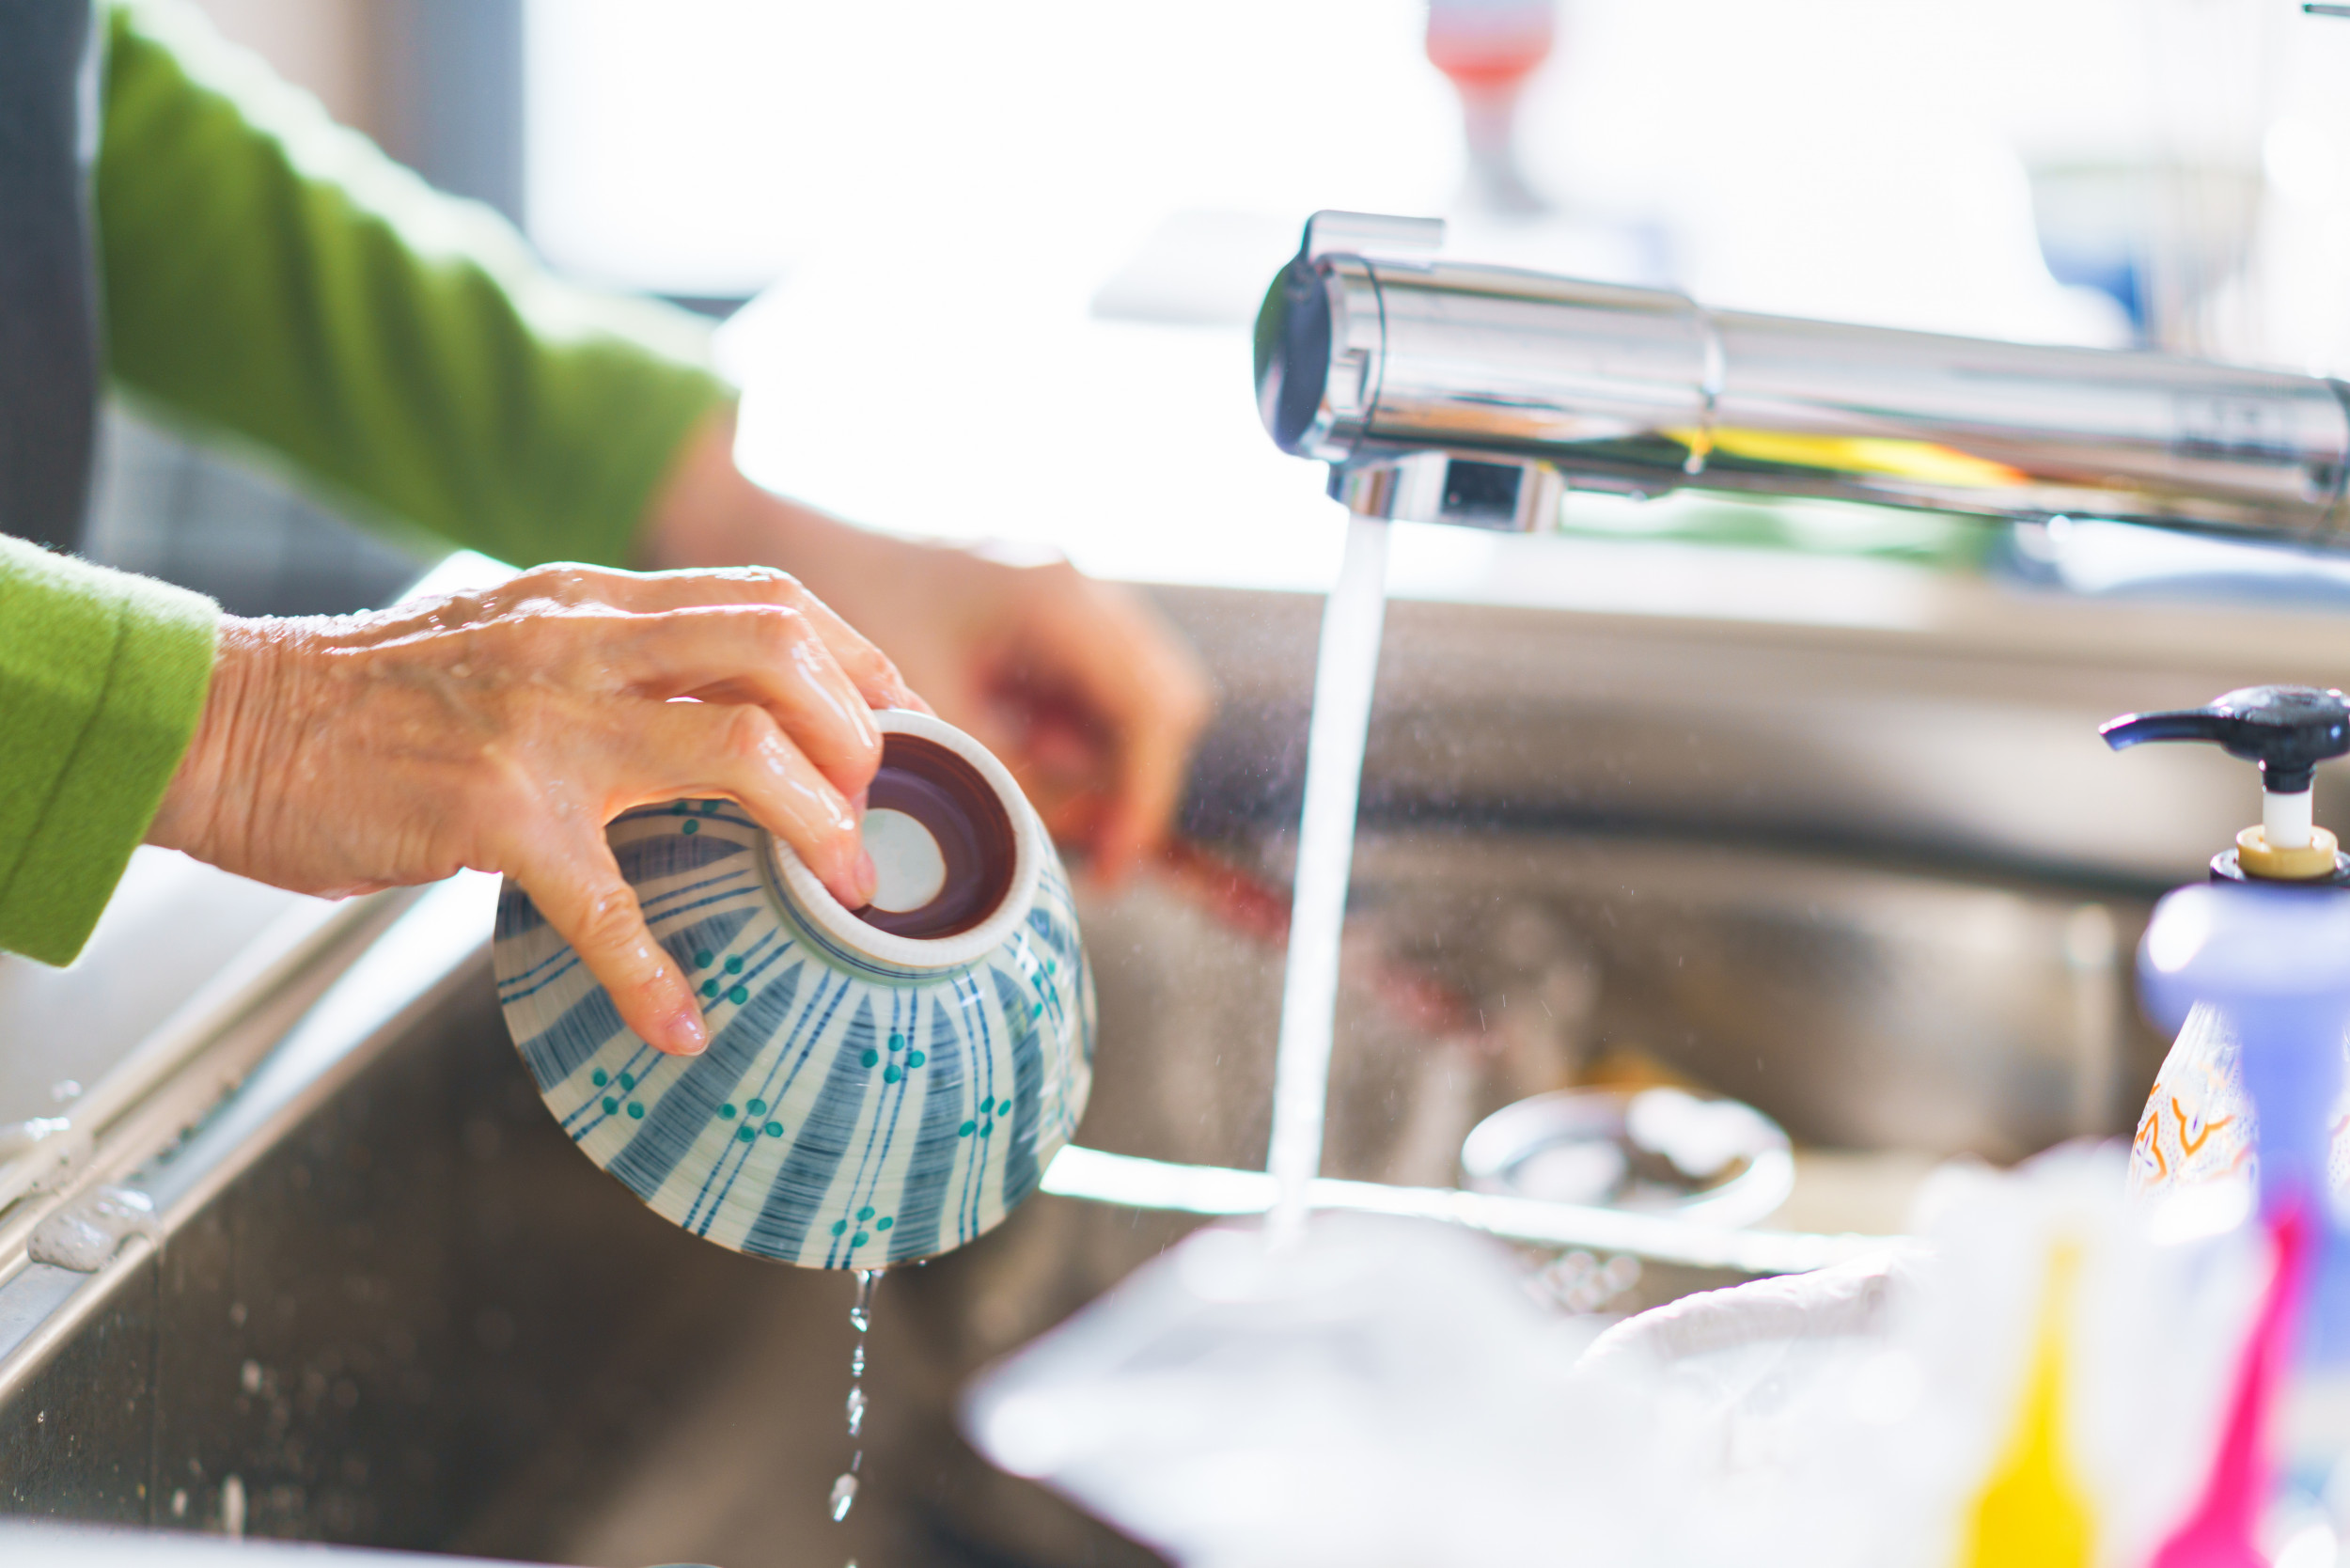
815	904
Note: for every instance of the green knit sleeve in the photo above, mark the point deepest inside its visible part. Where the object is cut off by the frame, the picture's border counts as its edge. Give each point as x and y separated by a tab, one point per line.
103	676
271	274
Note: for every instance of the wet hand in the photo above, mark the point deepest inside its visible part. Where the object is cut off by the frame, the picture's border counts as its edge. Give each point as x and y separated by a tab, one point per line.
502	731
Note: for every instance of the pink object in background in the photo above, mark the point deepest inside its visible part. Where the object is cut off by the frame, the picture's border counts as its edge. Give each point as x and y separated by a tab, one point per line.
1488	48
2220	1532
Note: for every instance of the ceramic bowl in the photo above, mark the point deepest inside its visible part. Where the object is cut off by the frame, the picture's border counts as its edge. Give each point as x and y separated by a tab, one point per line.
880	1085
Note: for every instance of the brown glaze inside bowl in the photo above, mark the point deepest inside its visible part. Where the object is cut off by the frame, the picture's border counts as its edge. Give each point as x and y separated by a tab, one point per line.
947	795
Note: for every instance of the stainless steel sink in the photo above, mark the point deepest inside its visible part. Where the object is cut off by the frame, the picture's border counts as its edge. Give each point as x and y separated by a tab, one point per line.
1871	873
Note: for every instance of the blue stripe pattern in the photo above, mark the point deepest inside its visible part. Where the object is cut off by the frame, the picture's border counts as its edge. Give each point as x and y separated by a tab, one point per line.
704	936
969	1209
649	906
556	1051
798	1193
717	1185
1027	1084
650	859
847	1114
692	1102
932	1165
517	915
564	963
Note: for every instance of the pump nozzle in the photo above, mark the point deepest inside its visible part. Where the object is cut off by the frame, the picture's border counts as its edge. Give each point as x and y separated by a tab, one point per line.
2288	731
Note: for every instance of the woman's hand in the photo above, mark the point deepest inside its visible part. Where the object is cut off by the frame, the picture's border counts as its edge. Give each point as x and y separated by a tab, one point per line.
1089	698
502	731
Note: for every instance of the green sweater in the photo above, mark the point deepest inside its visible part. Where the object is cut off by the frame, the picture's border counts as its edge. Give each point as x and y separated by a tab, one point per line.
274	279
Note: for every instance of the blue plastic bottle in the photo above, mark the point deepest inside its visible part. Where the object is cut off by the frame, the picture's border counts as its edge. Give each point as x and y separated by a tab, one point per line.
2253	971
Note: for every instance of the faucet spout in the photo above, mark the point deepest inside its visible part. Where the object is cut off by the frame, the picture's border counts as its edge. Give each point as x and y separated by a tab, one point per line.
1444	391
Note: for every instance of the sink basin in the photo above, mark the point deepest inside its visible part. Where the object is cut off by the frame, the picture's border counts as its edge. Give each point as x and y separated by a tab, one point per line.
1874	876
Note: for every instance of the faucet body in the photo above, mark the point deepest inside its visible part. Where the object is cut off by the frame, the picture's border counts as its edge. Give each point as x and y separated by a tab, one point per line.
1440	391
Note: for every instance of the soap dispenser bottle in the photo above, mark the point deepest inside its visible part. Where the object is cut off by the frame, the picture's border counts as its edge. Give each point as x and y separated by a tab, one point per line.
2197	1127
2272	965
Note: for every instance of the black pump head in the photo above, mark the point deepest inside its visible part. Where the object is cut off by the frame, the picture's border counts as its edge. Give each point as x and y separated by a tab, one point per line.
2287	729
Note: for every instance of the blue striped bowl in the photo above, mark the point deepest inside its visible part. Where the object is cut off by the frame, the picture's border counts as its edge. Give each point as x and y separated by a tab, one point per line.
867	1099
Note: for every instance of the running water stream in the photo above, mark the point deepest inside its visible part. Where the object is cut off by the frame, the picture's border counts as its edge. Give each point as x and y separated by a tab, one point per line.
844	1486
1343	675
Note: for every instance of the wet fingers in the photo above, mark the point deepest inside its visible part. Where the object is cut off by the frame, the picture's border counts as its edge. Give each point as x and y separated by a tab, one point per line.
738	752
869	670
768	656
578	888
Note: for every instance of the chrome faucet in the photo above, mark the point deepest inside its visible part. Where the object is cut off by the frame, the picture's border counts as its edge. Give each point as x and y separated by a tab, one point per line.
1442	391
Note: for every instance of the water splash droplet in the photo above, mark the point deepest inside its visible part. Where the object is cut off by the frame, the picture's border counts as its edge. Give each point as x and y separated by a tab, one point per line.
861	1310
860	1319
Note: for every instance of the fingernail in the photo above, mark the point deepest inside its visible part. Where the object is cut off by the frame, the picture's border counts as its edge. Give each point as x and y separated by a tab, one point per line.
688	1036
867	878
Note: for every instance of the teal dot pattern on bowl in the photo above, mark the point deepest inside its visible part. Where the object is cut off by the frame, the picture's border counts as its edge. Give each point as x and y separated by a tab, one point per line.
860	1080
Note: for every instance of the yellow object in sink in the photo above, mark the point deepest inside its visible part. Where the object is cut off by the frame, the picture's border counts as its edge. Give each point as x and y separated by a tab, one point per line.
2035	1513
